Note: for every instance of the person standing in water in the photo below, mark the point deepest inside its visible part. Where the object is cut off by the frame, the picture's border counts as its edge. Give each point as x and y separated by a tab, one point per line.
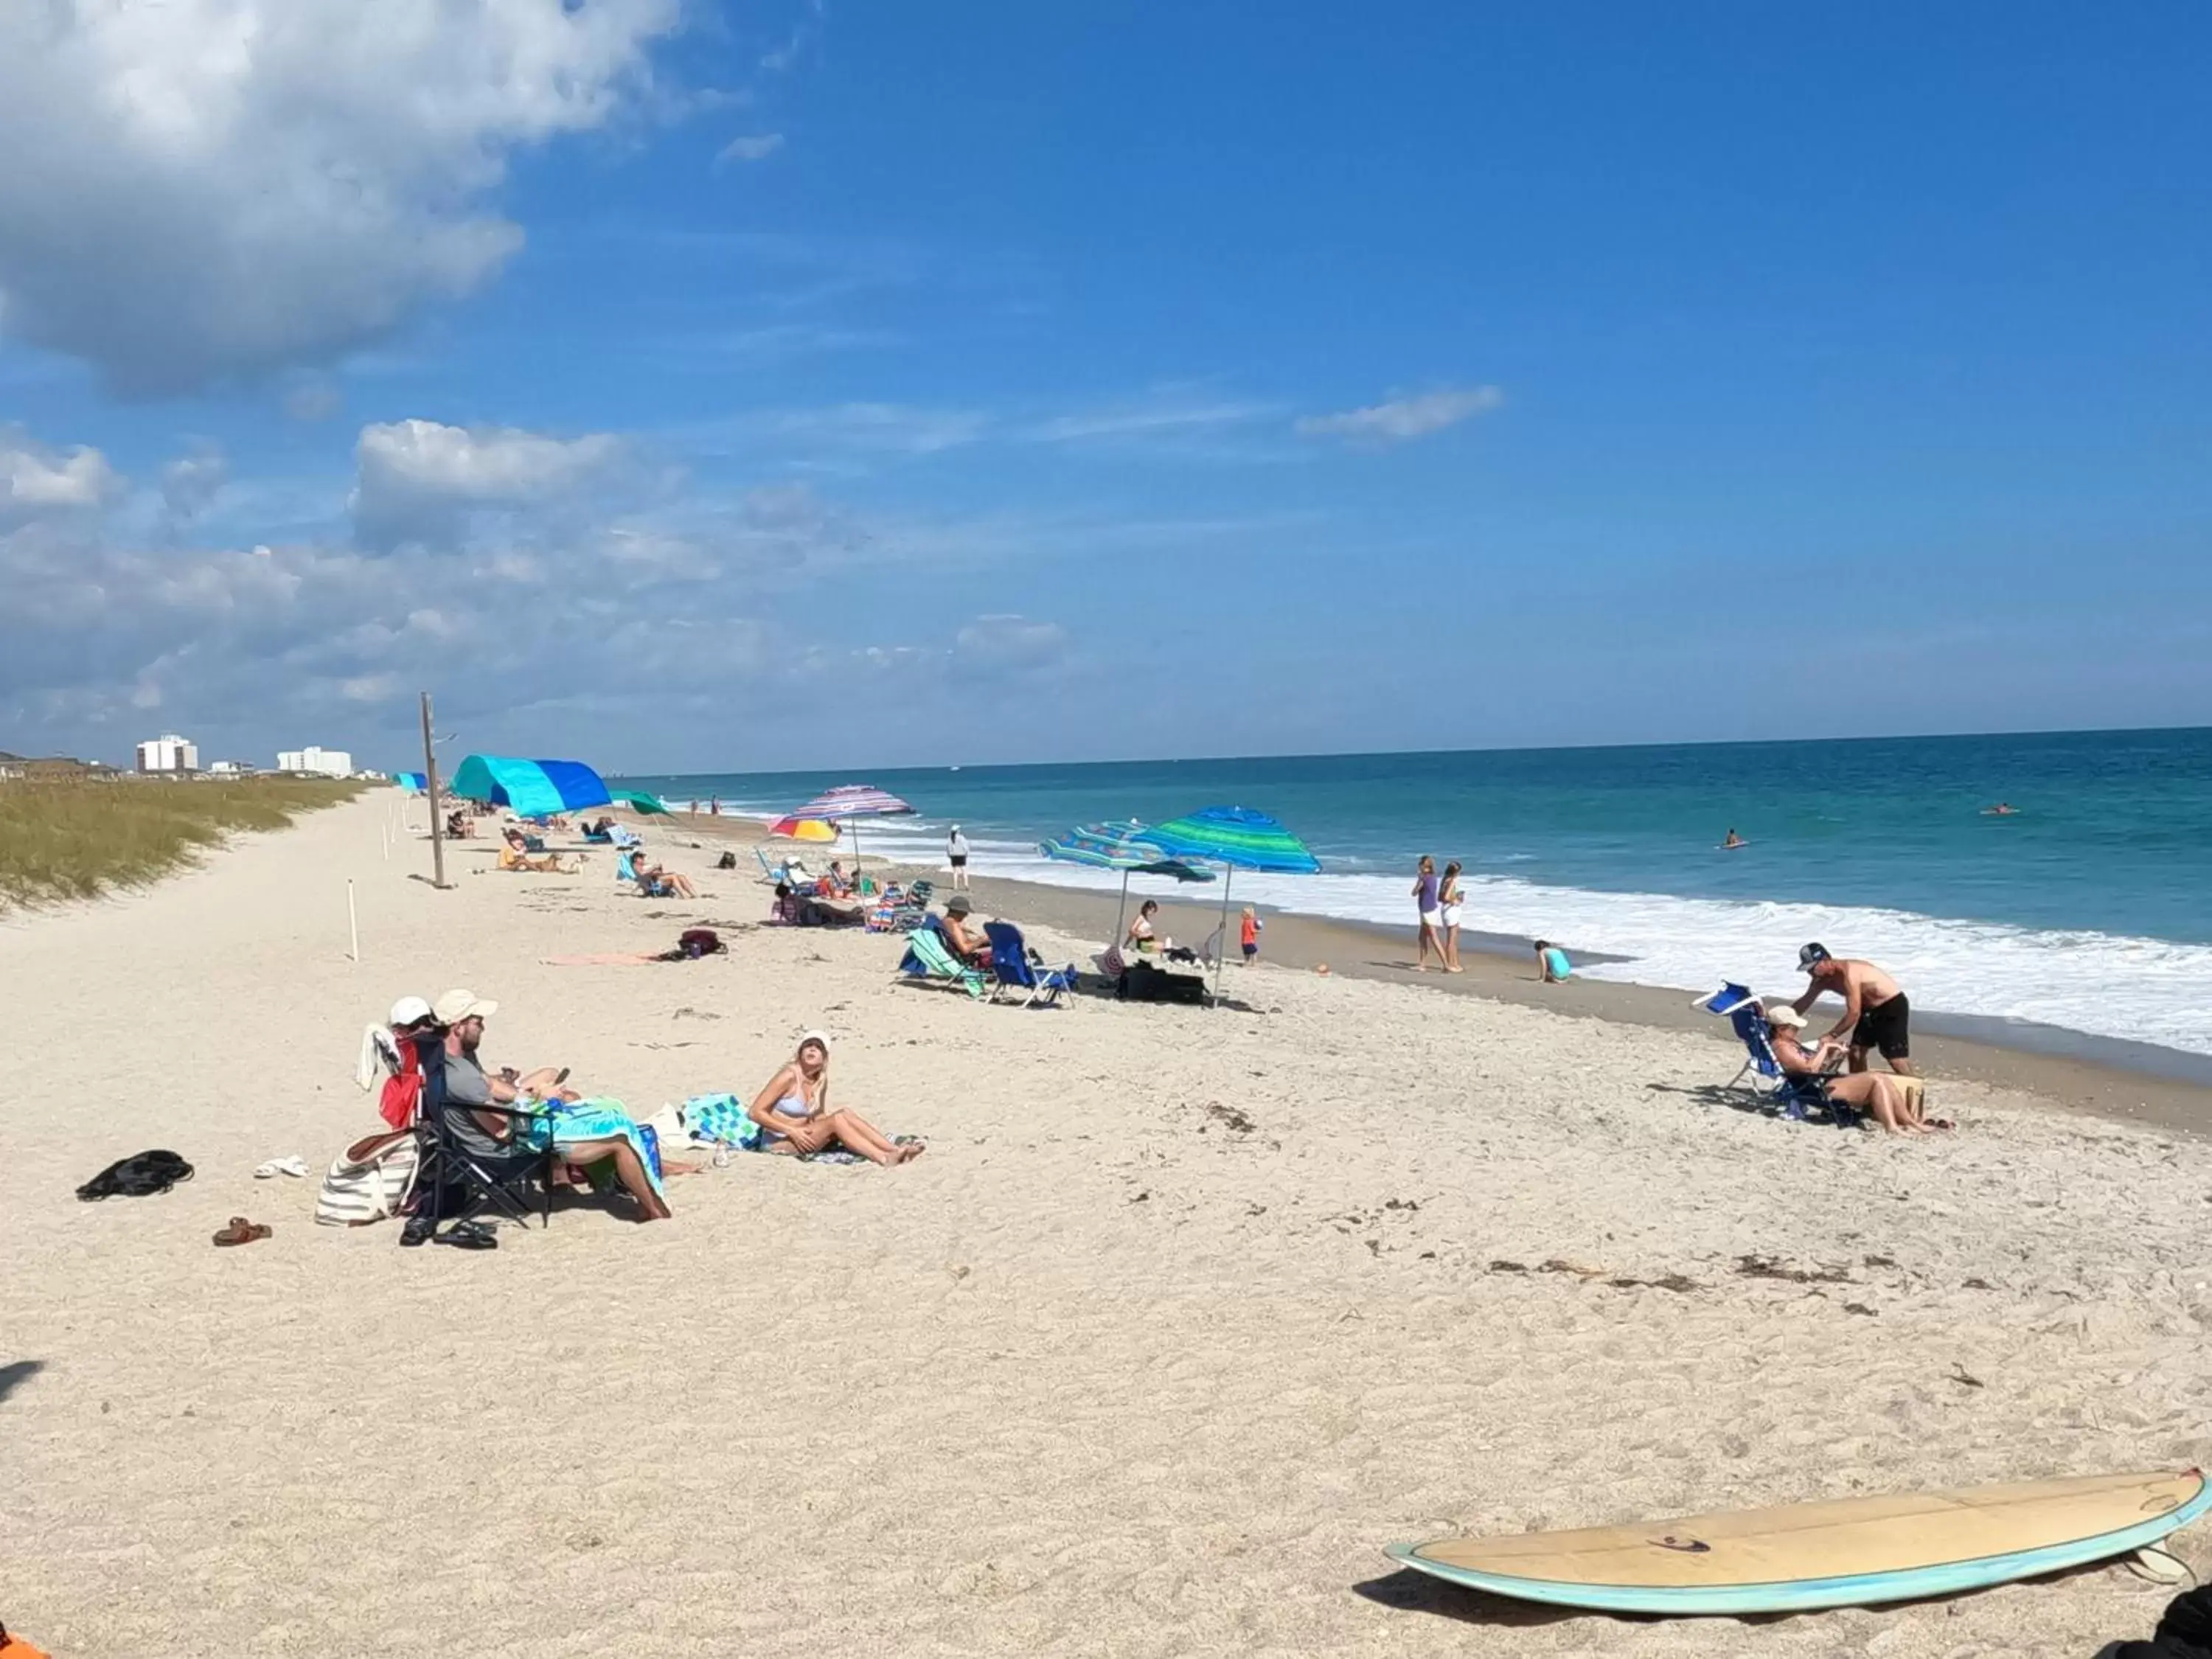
1449	899
956	854
1426	899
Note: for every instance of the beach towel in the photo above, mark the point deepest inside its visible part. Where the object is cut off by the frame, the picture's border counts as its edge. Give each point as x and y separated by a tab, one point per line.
721	1121
563	1123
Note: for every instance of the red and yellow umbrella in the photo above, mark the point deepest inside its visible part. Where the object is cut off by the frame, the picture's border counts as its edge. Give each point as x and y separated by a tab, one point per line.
798	829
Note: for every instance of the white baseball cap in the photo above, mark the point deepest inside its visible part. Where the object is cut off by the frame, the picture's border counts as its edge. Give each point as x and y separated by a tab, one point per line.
455	1007
409	1011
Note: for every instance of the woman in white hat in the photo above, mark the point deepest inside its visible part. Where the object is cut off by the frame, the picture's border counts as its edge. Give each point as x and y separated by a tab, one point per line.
1893	1102
794	1113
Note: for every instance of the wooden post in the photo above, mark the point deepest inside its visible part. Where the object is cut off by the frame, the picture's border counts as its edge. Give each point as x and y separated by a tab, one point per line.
430	789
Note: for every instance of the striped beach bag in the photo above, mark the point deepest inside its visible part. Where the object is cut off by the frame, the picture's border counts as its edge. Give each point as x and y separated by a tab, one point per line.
370	1180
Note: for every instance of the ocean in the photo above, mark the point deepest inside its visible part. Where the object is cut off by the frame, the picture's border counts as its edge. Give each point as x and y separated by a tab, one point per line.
2088	909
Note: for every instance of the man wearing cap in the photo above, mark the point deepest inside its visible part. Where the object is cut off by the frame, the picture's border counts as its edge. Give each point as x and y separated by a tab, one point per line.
1876	1014
968	943
463	1014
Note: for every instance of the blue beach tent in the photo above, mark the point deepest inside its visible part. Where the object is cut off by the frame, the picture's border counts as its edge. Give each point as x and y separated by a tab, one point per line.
534	788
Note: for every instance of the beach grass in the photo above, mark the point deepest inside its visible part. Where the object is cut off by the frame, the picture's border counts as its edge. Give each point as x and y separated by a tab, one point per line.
77	838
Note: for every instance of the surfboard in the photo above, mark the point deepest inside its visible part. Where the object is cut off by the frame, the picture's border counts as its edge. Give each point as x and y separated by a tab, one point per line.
1852	1551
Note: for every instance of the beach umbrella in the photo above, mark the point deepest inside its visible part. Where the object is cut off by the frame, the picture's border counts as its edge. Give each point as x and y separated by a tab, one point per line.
413	783
640	800
534	788
1119	847
797	828
849	803
1236	838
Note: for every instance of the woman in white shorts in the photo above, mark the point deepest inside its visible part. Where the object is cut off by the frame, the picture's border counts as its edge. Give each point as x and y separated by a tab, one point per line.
1432	916
1449	900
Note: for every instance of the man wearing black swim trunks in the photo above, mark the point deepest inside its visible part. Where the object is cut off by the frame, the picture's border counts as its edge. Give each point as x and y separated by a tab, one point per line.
1876	1014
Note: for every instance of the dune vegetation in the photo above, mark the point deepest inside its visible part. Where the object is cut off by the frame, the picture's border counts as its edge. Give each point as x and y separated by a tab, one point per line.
75	838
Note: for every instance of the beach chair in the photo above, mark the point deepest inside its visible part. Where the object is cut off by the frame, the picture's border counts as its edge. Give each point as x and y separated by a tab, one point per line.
626	867
1013	973
929	958
913	908
1794	1096
459	1184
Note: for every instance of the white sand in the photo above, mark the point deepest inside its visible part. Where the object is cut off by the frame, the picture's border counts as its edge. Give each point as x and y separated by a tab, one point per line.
1103	1373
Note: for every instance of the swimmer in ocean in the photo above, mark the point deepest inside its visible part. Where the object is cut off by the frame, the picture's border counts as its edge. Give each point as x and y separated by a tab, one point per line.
1732	841
2003	809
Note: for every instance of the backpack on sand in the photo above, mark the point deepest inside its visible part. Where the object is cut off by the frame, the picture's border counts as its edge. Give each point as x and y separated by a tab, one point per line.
140	1176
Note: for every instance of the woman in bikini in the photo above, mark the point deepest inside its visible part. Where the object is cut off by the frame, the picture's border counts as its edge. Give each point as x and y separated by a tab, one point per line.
794	1113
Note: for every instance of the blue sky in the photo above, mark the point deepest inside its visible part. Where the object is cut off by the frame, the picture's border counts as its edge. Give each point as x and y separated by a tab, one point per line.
751	386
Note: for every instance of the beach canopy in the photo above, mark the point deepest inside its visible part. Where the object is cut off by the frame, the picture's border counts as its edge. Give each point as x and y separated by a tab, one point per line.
413	783
799	828
640	800
1239	839
853	800
534	788
1120	847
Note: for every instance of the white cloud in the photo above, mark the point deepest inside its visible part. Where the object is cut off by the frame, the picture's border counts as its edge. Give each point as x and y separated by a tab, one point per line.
751	147
1012	640
210	188
190	484
1402	418
898	428
1150	419
35	481
420	480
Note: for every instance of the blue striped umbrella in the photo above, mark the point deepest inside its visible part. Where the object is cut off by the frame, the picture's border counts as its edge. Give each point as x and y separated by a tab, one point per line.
1119	847
1236	838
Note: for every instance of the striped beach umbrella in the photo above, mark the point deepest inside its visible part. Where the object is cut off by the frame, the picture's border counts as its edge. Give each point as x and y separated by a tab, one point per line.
1119	847
851	801
1236	838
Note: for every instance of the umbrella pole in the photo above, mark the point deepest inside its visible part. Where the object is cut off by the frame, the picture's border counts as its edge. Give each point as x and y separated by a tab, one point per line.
1120	911
1221	949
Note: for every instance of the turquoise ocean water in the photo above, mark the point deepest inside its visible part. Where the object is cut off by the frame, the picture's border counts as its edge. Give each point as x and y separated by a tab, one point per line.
2090	909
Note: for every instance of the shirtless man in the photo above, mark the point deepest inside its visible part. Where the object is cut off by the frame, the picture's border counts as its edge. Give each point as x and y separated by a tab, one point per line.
1876	1014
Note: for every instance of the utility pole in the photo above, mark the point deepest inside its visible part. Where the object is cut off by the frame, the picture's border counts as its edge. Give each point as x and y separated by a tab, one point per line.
430	788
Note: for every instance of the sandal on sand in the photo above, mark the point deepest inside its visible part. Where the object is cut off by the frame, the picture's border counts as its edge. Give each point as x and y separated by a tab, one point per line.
467	1235
295	1166
242	1231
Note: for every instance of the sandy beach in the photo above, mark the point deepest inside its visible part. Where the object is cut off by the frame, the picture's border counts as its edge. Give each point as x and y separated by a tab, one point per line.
1184	1316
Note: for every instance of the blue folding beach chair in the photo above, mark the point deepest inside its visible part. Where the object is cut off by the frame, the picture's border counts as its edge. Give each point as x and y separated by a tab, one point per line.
1012	971
626	868
1794	1096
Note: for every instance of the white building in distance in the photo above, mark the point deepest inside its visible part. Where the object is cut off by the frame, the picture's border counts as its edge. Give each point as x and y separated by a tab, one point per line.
168	753
331	762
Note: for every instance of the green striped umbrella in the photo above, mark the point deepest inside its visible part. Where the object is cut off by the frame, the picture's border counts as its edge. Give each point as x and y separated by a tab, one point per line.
1236	838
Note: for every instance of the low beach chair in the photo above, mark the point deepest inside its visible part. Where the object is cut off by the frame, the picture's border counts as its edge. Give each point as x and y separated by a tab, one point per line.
1774	1088
626	867
928	957
1012	970
454	1184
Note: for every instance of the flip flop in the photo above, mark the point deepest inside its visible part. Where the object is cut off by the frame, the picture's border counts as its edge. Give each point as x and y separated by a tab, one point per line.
467	1235
242	1231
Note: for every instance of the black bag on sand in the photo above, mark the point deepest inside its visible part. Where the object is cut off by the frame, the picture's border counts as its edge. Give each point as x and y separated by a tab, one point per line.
140	1176
2186	1631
